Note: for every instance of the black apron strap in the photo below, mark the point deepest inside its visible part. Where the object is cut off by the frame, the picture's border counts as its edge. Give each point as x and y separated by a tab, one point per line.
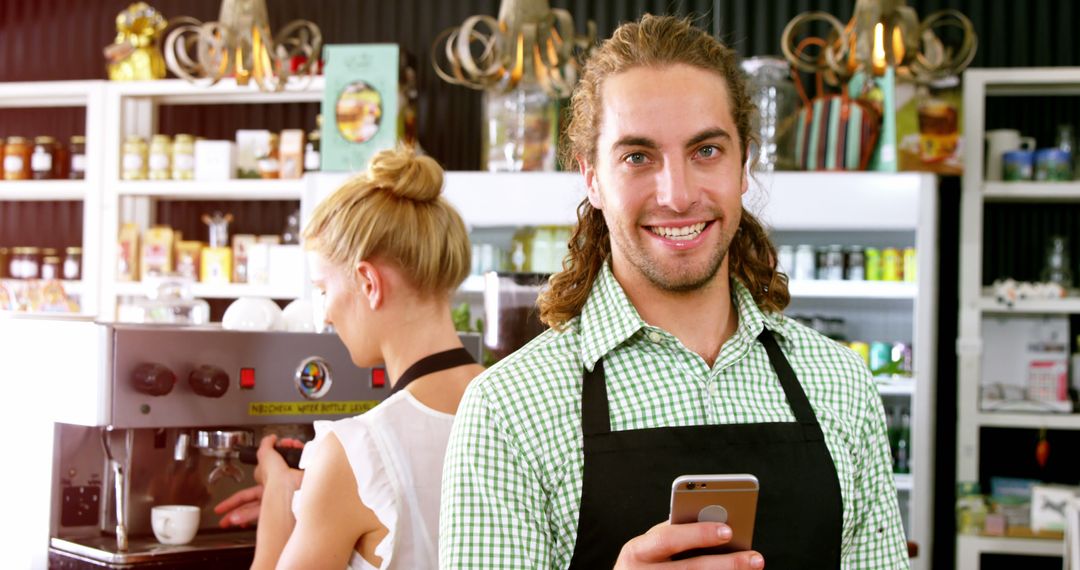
595	417
796	398
434	363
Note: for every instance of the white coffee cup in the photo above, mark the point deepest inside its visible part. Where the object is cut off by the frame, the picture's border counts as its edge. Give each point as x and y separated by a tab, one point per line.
1000	141
175	524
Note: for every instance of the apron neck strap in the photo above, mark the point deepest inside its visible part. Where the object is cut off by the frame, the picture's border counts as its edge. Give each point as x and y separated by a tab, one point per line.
796	397
433	363
595	418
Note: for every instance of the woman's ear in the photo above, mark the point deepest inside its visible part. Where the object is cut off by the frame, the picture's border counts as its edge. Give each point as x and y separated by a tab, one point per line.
372	283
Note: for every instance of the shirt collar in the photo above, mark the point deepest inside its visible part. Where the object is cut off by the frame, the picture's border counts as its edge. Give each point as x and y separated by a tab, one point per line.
608	318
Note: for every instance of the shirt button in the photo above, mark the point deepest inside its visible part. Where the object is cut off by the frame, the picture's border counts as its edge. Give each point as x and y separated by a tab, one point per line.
654	336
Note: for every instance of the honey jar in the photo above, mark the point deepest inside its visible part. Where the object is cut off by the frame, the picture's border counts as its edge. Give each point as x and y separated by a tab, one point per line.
160	157
41	160
17	159
183	158
134	158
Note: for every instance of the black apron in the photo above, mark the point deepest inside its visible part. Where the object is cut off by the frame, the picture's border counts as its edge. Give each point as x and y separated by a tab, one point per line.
432	363
626	487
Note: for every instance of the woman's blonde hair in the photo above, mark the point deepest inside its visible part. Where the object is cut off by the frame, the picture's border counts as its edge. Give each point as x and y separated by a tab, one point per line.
394	212
654	41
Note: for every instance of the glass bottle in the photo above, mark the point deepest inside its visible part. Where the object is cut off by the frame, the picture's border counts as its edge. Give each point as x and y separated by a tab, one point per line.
772	90
17	159
160	157
41	160
72	263
134	158
521	130
78	158
1058	269
183	157
312	159
1066	142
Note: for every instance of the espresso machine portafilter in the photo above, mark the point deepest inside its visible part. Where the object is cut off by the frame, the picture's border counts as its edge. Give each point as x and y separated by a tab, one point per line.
183	409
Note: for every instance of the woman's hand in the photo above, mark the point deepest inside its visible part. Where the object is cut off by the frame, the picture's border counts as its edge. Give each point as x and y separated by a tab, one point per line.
242	507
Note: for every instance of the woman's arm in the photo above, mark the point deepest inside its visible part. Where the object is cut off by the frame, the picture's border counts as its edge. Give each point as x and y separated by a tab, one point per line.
330	521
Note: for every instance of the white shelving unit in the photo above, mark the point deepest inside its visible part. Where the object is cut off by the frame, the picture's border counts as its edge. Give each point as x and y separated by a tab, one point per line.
132	108
91	96
976	302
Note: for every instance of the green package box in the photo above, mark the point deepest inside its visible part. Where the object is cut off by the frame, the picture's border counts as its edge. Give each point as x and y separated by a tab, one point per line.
360	104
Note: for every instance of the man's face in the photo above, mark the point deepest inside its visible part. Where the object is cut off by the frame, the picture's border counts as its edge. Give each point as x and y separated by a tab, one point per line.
668	175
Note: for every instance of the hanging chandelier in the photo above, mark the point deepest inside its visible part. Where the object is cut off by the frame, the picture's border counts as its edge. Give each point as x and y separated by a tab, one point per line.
241	45
530	43
885	33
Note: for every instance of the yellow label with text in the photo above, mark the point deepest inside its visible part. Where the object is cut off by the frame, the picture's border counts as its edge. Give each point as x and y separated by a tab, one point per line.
351	408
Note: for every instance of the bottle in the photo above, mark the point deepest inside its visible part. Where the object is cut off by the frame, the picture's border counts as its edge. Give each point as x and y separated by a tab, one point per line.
183	158
312	159
160	157
41	161
1067	144
903	445
1058	269
17	159
78	158
134	158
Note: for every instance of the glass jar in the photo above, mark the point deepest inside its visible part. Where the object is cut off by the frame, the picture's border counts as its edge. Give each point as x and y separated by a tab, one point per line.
134	158
183	158
312	159
41	161
17	159
73	263
5	263
160	157
50	268
521	130
77	171
30	267
268	164
771	89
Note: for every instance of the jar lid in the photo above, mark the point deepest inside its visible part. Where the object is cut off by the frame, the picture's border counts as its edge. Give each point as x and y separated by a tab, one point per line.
17	140
78	139
49	251
31	250
185	137
44	140
161	138
52	259
73	249
765	66
133	138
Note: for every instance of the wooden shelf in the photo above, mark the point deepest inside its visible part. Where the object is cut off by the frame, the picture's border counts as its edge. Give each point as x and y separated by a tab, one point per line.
1031	192
42	190
214	291
1049	420
237	189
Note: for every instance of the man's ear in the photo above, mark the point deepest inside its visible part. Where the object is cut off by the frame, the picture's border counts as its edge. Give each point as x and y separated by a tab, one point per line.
592	185
372	283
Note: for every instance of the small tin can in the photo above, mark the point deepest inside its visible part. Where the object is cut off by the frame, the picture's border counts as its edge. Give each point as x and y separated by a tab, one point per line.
821	254
892	265
855	264
910	265
862	349
880	356
872	255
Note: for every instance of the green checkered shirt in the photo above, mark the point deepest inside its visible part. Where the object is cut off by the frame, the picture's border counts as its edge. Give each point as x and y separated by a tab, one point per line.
513	471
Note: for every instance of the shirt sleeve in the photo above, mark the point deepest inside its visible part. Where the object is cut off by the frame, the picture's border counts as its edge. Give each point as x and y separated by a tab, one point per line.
877	540
493	513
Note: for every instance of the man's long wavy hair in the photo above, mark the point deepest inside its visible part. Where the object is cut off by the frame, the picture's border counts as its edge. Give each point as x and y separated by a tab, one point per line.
654	41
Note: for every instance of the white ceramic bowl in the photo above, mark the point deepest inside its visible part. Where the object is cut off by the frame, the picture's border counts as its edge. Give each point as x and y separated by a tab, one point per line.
253	314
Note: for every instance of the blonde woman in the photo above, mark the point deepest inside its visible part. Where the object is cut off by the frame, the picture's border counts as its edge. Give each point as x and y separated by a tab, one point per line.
387	252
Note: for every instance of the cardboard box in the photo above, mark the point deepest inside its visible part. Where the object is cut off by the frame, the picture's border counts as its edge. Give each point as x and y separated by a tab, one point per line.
187	259
249	144
127	263
214	160
360	104
216	265
1048	505
157	252
291	153
241	243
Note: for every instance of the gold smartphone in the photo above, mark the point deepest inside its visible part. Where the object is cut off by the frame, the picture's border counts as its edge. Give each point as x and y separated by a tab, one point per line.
730	499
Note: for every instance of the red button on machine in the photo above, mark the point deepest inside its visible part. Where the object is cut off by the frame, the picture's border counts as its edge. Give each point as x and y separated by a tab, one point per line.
378	378
247	378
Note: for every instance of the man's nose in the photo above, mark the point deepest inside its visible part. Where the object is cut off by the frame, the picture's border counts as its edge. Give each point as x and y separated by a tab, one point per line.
674	190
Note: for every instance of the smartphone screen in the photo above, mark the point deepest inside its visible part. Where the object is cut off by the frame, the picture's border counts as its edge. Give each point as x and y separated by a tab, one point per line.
730	499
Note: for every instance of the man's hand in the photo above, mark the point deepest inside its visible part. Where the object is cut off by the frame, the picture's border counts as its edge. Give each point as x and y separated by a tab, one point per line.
661	542
242	507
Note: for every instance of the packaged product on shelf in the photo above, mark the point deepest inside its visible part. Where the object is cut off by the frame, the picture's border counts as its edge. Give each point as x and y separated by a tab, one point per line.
785	259
216	265
157	252
268	164
77	149
187	258
61	161
134	158
291	153
183	157
892	265
286	265
872	255
862	349
160	158
17	158
127	266
7	300
910	265
241	243
51	268
855	264
249	143
272	239
833	269
1025	364
41	160
214	160
5	261
258	263
312	160
805	263
72	263
1046	502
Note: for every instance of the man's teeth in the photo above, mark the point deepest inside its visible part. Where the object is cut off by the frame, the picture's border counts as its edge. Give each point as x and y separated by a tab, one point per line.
680	233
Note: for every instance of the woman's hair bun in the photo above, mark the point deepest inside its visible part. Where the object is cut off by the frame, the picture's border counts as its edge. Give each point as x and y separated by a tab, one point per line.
404	174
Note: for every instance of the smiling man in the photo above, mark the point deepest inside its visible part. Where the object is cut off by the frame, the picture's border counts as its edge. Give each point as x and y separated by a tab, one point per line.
668	356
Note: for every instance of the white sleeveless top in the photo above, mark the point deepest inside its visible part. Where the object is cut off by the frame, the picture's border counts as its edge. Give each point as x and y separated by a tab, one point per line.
396	451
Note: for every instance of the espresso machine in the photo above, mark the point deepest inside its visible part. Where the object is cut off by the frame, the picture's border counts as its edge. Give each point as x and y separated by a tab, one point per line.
179	409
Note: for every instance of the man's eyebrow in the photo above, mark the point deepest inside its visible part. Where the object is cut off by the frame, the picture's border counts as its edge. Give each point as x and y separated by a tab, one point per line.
715	132
634	140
